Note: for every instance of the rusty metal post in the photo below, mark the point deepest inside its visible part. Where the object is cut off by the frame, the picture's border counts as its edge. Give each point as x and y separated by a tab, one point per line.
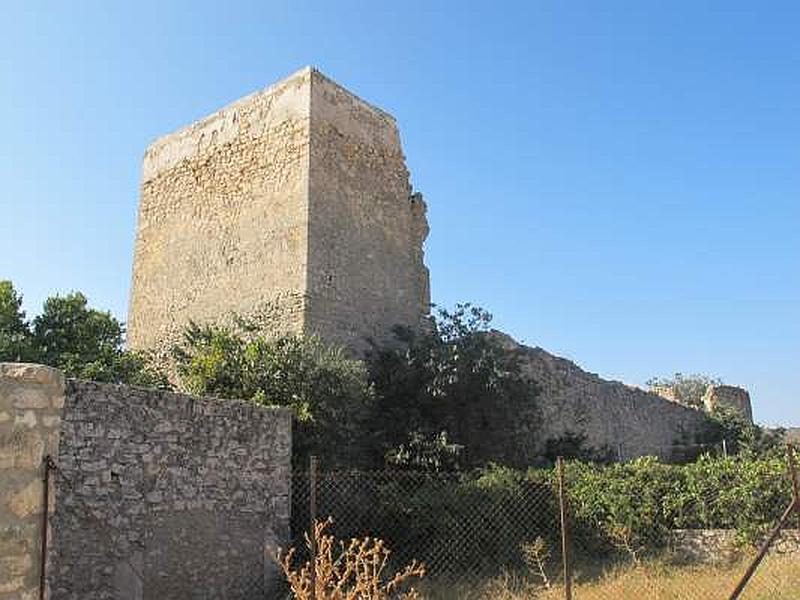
790	458
312	510
762	552
562	504
49	465
794	506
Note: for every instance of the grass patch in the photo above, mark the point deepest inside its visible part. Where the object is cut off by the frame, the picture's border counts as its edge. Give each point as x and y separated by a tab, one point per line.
778	578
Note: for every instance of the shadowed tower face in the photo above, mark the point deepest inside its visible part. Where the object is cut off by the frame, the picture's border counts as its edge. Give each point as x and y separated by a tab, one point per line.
291	206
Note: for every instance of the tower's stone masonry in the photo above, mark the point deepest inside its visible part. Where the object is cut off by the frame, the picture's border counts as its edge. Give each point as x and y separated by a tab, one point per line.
292	206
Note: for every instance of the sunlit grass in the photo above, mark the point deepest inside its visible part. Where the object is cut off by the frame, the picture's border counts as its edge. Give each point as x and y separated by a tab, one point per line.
778	578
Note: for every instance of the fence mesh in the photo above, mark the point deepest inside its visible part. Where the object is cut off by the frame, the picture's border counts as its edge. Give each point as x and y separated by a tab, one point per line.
497	536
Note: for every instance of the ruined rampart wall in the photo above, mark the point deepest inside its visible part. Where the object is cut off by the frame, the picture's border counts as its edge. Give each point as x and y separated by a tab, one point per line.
623	419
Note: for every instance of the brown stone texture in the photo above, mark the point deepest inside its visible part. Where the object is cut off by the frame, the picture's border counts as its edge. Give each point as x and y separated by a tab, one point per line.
625	420
291	206
728	396
31	397
165	496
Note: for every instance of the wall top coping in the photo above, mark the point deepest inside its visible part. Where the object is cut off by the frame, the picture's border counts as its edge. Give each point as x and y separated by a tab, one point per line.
168	150
31	373
206	405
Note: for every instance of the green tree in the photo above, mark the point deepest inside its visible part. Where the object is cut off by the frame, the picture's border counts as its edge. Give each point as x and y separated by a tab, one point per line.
461	379
69	335
328	392
15	335
742	436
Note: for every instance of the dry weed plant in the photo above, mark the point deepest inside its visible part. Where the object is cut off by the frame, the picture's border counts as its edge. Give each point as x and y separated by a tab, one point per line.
535	554
347	571
623	539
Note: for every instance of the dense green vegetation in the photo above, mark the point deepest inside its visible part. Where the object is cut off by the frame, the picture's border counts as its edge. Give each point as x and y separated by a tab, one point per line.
329	393
68	334
443	406
449	398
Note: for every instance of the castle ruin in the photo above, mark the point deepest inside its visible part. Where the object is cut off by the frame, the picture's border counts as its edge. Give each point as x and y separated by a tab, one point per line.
291	206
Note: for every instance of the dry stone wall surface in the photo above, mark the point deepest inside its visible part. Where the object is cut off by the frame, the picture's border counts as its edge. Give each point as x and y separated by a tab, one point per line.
626	420
161	495
714	546
223	217
366	272
31	401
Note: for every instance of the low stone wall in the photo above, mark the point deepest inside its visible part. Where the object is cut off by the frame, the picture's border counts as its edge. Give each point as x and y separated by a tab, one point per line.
156	495
31	400
719	546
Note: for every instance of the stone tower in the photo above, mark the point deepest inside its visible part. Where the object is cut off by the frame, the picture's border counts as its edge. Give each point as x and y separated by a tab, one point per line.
291	205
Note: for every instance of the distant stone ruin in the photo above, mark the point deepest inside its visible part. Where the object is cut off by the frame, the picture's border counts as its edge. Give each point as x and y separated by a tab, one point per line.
623	420
728	396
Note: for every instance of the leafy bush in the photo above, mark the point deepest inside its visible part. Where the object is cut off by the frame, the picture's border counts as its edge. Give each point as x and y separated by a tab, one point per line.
459	379
646	499
328	392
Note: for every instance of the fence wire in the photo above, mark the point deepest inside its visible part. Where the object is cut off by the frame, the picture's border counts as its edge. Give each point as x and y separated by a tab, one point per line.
498	536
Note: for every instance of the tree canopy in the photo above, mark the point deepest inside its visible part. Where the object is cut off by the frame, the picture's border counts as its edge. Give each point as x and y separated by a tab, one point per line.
70	335
329	393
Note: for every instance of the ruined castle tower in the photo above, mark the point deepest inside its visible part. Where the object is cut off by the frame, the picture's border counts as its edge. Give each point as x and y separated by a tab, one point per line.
291	205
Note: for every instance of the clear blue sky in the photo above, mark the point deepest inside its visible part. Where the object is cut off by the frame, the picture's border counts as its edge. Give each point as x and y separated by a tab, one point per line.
618	182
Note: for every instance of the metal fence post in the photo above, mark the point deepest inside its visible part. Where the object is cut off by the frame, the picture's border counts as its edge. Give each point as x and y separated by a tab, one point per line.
562	504
48	465
312	510
794	506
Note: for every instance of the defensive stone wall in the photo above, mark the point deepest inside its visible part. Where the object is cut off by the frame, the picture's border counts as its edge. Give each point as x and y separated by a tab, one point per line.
156	495
366	229
223	218
623	419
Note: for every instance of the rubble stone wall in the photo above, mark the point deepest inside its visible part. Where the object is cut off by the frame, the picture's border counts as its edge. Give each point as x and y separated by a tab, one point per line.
31	401
162	495
154	495
625	420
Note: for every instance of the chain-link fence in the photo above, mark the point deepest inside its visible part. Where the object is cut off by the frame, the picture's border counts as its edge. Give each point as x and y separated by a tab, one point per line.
500	534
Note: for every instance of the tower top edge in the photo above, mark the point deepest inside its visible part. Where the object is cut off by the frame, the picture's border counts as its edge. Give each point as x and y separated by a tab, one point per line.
294	93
